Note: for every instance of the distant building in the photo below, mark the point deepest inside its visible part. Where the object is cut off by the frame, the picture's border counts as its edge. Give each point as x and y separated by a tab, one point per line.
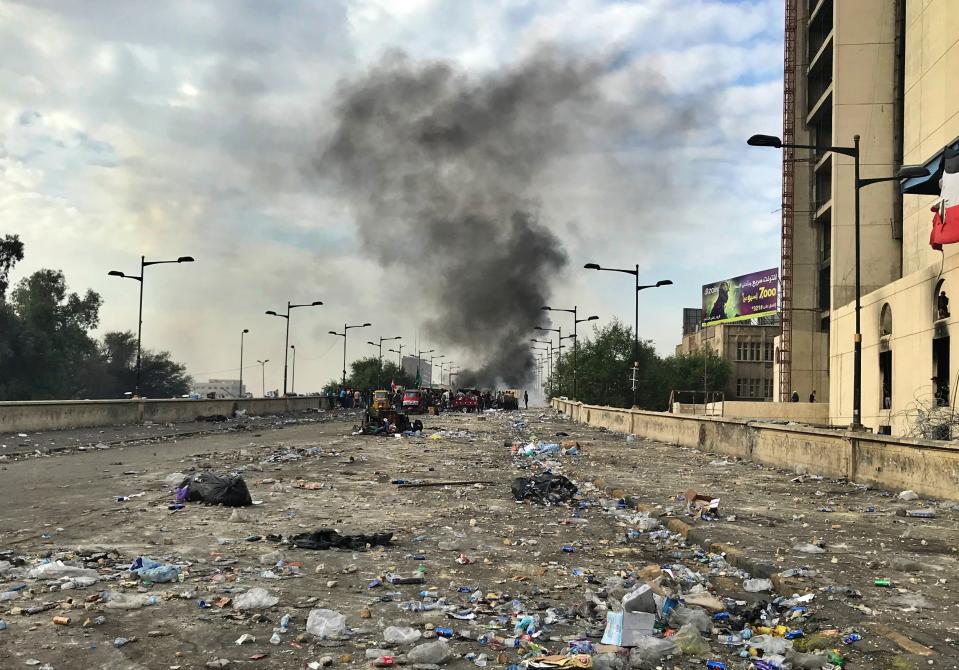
748	347
411	364
222	388
692	320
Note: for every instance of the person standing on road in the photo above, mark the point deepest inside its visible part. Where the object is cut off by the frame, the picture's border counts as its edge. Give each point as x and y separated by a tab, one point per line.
812	396
526	399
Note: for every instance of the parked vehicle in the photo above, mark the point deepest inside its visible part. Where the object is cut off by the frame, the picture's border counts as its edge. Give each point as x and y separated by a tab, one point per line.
465	400
415	401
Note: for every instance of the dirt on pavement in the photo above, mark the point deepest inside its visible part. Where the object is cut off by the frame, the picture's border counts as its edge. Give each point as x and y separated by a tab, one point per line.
486	558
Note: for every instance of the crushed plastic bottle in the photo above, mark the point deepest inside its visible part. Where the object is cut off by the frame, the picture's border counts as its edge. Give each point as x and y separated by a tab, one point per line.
401	635
435	653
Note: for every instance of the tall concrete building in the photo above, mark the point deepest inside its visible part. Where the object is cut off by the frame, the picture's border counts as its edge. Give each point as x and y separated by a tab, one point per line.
883	70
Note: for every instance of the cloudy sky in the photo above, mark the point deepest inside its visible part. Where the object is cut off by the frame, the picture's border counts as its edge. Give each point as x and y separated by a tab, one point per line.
194	128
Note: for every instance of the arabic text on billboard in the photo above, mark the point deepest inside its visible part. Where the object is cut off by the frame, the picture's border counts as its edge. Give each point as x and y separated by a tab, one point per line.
740	298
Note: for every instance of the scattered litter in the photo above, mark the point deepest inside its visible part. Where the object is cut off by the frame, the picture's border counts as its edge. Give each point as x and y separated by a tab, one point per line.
254	599
324	623
328	538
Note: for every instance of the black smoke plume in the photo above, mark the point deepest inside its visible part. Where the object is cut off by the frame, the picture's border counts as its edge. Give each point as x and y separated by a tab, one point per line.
440	168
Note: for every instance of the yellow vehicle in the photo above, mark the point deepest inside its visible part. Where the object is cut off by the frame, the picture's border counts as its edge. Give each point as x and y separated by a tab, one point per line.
381	401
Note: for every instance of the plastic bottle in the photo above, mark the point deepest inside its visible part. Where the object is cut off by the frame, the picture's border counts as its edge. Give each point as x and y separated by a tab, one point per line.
731	640
401	635
285	623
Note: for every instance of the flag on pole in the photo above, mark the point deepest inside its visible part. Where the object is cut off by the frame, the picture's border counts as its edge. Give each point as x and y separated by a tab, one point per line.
945	218
419	380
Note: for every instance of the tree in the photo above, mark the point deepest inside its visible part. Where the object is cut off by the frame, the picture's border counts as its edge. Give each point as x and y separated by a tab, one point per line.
366	374
604	371
115	370
51	345
11	251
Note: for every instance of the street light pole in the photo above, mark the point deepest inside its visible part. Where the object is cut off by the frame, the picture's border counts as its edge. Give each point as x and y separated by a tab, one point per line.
638	287
244	332
263	374
431	368
293	371
346	329
904	172
380	345
286	344
576	322
144	263
548	343
559	332
419	359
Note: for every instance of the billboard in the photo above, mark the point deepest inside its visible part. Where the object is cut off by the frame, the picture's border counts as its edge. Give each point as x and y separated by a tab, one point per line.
740	298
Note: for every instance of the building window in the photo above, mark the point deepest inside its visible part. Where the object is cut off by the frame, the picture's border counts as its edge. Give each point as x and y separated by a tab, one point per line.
769	352
754	388
885	321
740	351
742	387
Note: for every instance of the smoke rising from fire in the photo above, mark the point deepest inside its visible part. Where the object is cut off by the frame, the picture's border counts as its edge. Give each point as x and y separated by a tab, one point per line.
441	168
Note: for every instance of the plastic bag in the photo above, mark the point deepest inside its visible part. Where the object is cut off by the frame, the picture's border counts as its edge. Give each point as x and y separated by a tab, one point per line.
325	623
174	479
215	489
127	601
650	650
435	653
683	615
690	642
255	599
58	569
153	571
757	585
770	644
609	662
397	635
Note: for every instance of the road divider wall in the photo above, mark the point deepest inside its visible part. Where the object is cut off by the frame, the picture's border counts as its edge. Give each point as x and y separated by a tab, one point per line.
43	415
931	468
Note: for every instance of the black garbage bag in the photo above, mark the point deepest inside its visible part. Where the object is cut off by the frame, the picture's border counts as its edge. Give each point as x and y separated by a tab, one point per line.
545	488
328	538
215	489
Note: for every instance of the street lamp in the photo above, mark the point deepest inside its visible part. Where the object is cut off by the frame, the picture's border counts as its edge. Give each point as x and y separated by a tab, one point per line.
346	329
286	345
399	357
905	172
293	371
144	263
559	349
431	368
419	359
576	322
549	343
380	345
245	331
263	374
639	287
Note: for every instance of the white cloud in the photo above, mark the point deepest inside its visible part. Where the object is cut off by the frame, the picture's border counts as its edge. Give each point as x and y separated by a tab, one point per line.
183	127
